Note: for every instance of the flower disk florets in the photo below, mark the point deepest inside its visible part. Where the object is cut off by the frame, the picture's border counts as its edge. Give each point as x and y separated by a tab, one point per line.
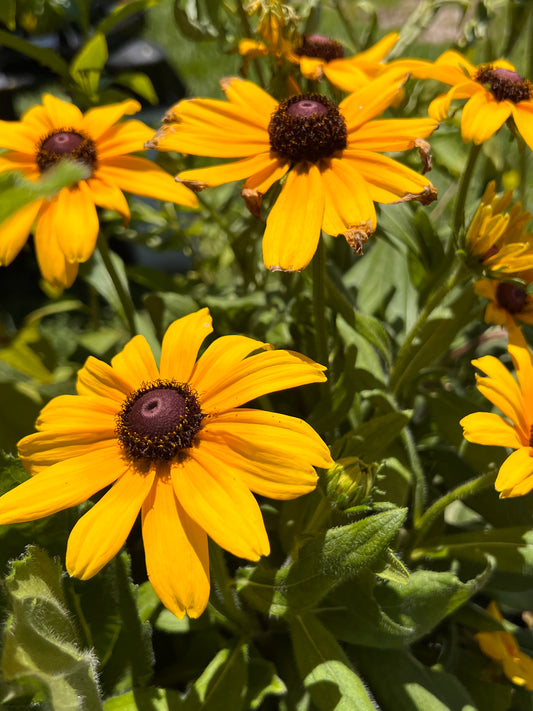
320	47
66	143
511	297
159	420
504	84
307	128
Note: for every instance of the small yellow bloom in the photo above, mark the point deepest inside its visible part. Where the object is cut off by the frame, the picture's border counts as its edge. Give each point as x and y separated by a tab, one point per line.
514	430
508	302
172	442
495	92
502	647
331	157
67	225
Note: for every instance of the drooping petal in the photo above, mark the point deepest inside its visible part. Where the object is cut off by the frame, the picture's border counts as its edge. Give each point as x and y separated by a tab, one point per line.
515	477
62	485
523	117
135	364
482	117
391	134
76	222
177	558
61	113
489	428
107	195
181	344
371	100
15	231
98	120
294	223
348	201
124	138
98	378
101	532
263	373
229	172
53	264
142	177
213	496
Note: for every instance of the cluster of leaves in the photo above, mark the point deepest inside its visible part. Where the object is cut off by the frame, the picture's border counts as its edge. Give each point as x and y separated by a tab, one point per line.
374	605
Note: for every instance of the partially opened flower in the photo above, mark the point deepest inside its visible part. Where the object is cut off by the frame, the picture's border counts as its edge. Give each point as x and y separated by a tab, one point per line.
503	648
173	442
508	302
66	226
495	92
331	157
514	430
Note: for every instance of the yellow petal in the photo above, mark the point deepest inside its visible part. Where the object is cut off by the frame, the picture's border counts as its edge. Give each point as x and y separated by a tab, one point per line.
379	50
294	223
124	138
177	557
523	117
62	485
213	496
250	98
102	531
311	67
100	119
52	262
98	378
523	365
371	100
181	344
15	231
135	364
489	428
391	134
76	222
18	136
515	477
348	77
348	199
440	107
74	413
258	375
483	116
16	160
142	177
61	113
229	172
108	196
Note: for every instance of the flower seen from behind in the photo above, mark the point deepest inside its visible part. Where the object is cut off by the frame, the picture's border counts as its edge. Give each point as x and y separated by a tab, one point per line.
514	399
330	156
172	442
503	648
66	226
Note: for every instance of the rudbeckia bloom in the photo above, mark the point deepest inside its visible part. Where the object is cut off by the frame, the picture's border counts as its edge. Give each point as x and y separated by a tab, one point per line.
514	430
330	155
496	237
503	648
509	302
172	442
495	92
67	225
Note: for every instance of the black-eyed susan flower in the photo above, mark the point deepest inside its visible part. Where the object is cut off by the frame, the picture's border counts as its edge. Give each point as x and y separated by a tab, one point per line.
66	226
495	92
496	238
330	156
514	430
173	442
509	302
503	648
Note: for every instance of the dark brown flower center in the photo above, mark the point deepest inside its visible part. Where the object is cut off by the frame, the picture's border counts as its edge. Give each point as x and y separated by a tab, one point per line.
66	144
159	420
504	83
510	297
320	47
307	128
491	251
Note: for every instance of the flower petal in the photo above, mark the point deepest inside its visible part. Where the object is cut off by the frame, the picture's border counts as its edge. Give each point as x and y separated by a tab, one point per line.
483	116
523	117
440	107
135	363
523	365
98	378
294	223
62	485
15	231
76	222
177	558
142	177
391	134
18	136
515	477
489	428
250	97
62	114
52	262
102	531
229	172
100	119
124	138
213	496
348	199
16	160
108	196
371	100
181	344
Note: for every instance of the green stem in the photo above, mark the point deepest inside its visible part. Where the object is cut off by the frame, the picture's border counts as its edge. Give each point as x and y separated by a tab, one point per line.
459	215
470	488
319	304
419	480
123	295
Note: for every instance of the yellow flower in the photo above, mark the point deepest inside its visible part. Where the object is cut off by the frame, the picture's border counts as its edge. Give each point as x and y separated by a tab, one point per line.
502	647
508	302
496	237
514	430
494	91
329	154
67	225
320	56
173	442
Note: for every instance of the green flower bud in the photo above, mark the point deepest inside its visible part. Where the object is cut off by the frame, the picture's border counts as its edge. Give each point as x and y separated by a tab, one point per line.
350	481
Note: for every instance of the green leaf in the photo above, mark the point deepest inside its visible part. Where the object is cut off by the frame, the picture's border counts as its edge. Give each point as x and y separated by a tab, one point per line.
322	564
145	700
88	63
192	22
393	569
139	83
122	12
22	354
325	669
8	13
41	643
262	682
46	57
223	684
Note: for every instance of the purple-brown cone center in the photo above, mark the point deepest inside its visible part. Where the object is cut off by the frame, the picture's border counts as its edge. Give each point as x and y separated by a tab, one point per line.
66	144
307	128
159	421
510	297
504	84
320	47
